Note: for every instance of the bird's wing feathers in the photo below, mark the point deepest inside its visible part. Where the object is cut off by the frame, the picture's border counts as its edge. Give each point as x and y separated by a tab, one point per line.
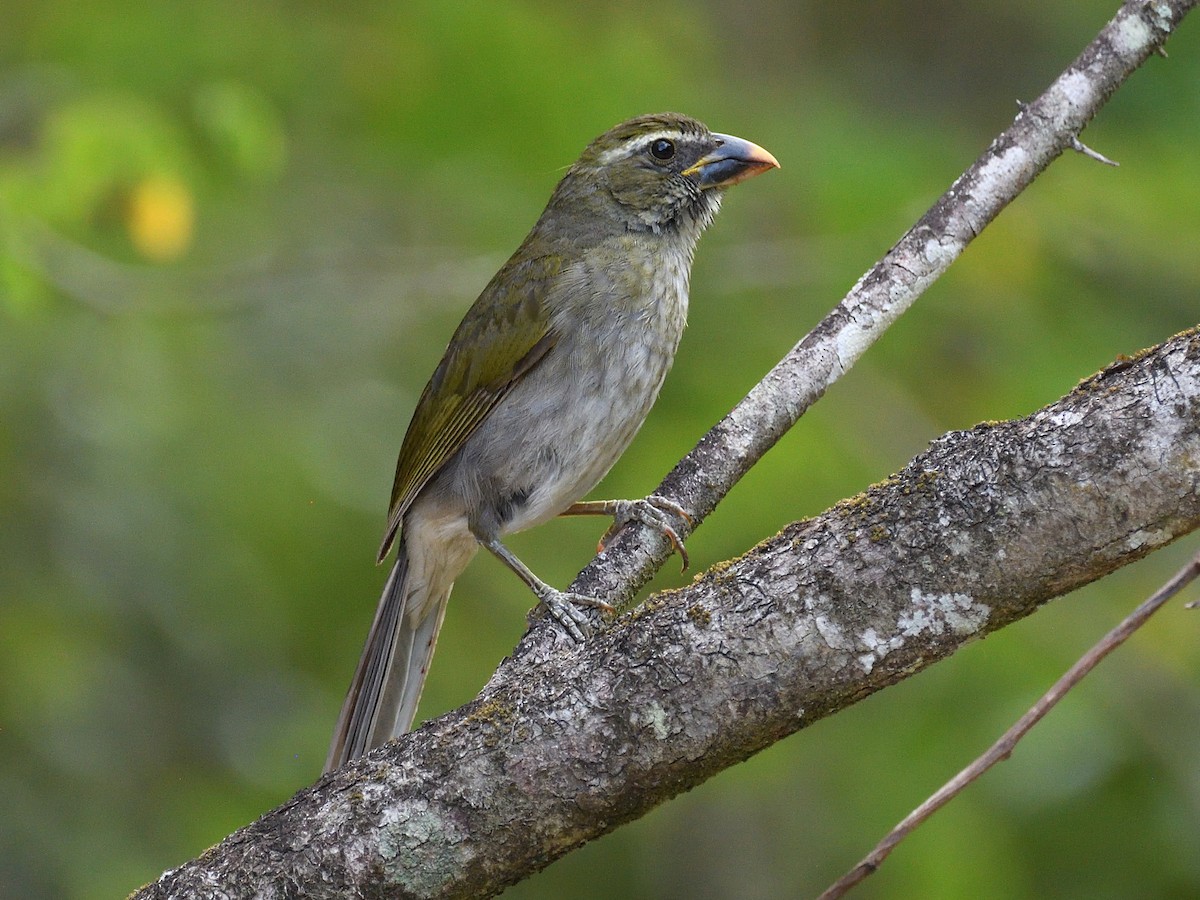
504	335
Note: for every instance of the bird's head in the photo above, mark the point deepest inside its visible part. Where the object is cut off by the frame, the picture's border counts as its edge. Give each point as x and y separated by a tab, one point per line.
655	173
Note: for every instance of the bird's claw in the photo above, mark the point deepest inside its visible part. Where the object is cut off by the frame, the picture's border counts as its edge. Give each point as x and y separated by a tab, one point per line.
567	610
651	511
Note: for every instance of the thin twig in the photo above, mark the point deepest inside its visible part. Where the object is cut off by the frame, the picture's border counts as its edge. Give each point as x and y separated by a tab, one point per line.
1080	147
1003	748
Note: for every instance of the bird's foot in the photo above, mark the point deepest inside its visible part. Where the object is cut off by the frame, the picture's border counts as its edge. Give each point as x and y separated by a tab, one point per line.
568	610
653	511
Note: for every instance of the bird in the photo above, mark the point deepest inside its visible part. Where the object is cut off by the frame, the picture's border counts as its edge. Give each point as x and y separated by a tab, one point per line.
542	386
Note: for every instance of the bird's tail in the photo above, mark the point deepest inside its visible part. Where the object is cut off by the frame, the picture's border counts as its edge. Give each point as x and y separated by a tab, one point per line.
383	696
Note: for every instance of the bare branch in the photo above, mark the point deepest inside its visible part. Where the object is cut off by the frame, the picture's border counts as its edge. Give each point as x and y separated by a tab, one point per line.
1004	746
562	747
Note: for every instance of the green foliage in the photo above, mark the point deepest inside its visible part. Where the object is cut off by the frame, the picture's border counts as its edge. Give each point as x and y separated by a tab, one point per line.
233	240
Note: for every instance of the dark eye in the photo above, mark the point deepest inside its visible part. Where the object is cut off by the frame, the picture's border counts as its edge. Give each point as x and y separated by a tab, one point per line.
662	149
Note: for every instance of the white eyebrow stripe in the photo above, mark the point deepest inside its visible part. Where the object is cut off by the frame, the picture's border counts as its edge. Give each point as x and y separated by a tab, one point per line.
641	140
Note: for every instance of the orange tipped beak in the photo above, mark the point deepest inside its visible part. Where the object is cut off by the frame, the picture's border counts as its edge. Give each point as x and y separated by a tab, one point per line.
734	160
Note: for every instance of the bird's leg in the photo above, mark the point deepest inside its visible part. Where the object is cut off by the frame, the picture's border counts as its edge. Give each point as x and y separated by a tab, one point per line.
651	511
562	605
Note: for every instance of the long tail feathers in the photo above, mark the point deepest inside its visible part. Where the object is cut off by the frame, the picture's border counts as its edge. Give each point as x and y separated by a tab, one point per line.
383	696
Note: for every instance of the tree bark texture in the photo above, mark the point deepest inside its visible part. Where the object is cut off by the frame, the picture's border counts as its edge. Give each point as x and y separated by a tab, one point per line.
568	741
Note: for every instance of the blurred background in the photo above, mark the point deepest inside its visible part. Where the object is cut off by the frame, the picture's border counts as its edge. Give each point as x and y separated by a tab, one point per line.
234	239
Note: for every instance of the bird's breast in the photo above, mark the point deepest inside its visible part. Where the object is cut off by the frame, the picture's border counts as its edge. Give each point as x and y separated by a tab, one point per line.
561	428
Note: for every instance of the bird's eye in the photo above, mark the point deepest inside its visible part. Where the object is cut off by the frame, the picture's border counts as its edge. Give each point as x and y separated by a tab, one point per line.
662	149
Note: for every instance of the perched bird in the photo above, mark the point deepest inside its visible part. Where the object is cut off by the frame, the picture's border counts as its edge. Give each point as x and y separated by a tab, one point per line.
542	387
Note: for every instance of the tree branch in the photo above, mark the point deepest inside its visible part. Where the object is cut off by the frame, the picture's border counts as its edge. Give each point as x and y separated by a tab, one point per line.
973	534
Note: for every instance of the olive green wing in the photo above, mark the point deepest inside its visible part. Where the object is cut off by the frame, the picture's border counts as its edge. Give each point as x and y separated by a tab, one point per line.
504	334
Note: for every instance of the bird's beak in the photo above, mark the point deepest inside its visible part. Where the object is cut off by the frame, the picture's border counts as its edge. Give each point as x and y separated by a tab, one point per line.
734	160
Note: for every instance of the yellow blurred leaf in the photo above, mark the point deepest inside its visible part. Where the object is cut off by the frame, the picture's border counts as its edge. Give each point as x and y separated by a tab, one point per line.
161	216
